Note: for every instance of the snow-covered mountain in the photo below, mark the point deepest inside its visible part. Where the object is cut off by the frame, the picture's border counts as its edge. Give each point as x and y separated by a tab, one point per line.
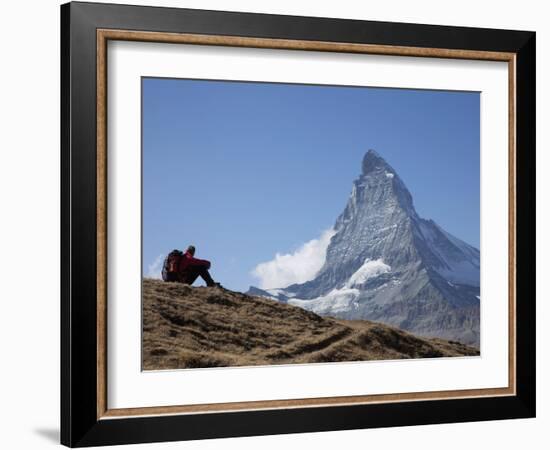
385	263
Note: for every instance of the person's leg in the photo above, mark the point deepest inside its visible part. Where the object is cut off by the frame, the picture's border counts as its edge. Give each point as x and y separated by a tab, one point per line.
205	275
169	276
190	275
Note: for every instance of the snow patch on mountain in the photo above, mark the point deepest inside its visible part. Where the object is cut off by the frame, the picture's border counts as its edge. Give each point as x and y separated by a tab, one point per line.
343	299
368	270
337	300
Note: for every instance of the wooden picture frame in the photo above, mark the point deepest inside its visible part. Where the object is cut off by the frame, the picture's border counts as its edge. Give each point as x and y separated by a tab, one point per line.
86	418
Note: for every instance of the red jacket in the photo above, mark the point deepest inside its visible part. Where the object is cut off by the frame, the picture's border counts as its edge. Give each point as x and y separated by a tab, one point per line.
188	261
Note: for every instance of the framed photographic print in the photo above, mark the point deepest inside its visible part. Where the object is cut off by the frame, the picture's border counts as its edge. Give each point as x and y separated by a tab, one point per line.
277	224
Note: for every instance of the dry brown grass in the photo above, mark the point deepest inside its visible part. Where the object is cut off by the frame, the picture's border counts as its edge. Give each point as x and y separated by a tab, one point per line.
191	327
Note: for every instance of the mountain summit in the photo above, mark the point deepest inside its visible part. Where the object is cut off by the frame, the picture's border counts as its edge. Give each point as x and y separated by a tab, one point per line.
386	263
373	161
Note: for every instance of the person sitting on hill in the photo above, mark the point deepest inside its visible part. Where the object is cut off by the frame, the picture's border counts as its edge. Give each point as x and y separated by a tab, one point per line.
185	268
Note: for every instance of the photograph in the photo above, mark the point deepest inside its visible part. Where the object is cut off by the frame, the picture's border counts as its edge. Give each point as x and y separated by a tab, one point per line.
299	223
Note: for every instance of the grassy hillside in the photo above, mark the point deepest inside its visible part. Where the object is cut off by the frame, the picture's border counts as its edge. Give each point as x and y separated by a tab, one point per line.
186	327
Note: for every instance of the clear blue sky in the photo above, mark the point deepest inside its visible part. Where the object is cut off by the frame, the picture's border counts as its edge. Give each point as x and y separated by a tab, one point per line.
246	170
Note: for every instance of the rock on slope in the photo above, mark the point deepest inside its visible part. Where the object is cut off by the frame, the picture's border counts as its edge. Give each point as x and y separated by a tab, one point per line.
385	263
186	327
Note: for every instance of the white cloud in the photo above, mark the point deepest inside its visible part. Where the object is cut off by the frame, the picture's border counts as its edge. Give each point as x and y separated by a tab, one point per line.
297	267
154	269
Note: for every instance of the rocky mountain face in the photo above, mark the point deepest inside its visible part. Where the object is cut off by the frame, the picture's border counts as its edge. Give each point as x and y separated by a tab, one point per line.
387	264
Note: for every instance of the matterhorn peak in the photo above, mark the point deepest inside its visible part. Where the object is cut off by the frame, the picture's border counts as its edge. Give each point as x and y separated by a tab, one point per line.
386	263
373	161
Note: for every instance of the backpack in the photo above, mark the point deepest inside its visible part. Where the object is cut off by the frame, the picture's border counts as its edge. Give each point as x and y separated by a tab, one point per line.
170	265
